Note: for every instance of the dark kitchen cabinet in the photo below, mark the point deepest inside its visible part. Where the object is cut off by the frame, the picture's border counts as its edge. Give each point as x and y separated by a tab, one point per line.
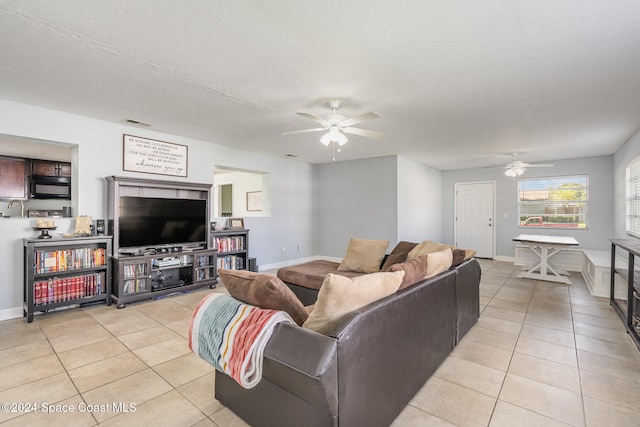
49	168
13	178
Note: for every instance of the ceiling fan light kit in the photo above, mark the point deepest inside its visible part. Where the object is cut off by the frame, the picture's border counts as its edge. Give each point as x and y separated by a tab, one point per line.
517	168
334	135
514	171
337	125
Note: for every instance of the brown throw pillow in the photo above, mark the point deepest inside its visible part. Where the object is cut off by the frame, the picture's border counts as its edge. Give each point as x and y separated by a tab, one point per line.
458	257
264	291
340	295
398	254
423	266
364	256
415	270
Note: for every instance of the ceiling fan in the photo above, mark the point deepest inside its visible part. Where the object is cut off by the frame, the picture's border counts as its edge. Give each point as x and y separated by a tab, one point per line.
337	125
517	168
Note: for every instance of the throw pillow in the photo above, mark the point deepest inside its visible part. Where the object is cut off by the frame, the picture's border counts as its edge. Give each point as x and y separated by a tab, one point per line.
264	291
437	262
458	257
340	295
398	254
364	256
469	253
426	247
415	270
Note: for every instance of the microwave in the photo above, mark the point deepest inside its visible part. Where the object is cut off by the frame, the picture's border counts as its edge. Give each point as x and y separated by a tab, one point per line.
50	187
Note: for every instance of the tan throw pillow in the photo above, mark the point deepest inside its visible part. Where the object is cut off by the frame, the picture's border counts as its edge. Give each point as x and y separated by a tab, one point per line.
264	291
364	256
437	262
426	247
415	270
340	295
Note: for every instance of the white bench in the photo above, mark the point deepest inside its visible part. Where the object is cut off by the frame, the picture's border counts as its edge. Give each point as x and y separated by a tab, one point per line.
596	270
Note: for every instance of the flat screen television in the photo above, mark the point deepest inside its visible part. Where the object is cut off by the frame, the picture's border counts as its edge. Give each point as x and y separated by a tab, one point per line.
153	222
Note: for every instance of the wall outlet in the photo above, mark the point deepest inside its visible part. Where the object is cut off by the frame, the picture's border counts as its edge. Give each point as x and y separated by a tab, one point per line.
299	248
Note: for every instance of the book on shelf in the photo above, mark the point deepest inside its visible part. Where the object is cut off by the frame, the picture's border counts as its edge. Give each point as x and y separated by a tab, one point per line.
229	244
230	262
134	285
69	259
59	289
134	270
206	273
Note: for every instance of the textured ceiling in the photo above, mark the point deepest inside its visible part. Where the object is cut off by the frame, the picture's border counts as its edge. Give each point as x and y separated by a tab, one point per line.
458	84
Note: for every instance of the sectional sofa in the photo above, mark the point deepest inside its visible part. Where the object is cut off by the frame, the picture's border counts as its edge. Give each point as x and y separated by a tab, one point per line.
368	366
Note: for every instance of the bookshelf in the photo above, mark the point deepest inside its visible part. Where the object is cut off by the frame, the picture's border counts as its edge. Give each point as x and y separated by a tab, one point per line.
232	247
65	271
151	276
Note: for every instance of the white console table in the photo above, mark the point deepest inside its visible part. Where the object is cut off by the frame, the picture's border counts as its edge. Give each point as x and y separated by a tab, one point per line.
545	247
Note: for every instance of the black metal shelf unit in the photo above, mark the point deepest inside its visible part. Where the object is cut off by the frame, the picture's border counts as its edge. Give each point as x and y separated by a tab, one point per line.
628	312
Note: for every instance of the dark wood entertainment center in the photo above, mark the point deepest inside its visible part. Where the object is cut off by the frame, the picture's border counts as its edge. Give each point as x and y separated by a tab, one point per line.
152	271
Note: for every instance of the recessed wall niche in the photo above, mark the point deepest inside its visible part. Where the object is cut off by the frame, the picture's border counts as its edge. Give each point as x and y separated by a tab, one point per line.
240	193
33	148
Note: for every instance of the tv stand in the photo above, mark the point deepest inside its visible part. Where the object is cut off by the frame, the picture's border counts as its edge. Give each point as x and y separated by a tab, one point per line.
150	276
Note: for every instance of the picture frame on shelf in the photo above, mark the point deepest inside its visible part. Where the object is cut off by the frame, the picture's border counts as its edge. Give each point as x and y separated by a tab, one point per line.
236	223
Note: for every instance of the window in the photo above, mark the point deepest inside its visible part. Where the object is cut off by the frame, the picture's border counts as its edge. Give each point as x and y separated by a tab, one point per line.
561	202
633	198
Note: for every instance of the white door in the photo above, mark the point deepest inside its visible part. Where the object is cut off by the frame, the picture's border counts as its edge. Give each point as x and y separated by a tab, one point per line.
474	217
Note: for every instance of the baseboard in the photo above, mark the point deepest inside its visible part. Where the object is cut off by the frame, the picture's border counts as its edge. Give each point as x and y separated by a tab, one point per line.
276	265
506	258
11	313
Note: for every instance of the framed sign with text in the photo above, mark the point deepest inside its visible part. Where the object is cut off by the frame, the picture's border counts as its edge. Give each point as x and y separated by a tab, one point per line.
152	156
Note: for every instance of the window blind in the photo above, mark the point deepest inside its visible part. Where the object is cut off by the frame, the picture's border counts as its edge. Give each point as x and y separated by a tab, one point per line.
633	198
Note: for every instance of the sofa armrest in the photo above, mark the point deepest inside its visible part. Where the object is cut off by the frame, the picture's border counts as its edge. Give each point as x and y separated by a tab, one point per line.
304	363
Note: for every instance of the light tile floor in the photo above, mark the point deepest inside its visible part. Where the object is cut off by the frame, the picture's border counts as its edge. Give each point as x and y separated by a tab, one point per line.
541	354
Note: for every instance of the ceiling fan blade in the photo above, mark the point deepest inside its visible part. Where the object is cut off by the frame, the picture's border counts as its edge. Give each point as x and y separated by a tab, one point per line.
364	132
303	131
537	165
359	119
315	118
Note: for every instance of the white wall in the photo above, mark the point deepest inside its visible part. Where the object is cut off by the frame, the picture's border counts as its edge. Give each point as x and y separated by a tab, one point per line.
242	183
99	154
600	172
355	199
625	155
419	202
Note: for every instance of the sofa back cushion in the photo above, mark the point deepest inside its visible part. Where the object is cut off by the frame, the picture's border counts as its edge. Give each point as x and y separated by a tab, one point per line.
340	295
264	291
364	256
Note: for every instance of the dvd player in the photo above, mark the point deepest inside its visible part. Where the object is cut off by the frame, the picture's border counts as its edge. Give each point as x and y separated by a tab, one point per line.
168	262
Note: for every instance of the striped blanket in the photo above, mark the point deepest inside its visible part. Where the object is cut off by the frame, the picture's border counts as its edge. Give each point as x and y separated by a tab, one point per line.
231	336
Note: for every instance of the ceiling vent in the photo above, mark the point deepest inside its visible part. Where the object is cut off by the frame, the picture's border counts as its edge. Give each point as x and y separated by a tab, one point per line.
137	123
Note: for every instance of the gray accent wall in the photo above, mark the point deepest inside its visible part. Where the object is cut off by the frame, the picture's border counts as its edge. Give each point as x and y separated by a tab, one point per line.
600	172
355	199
